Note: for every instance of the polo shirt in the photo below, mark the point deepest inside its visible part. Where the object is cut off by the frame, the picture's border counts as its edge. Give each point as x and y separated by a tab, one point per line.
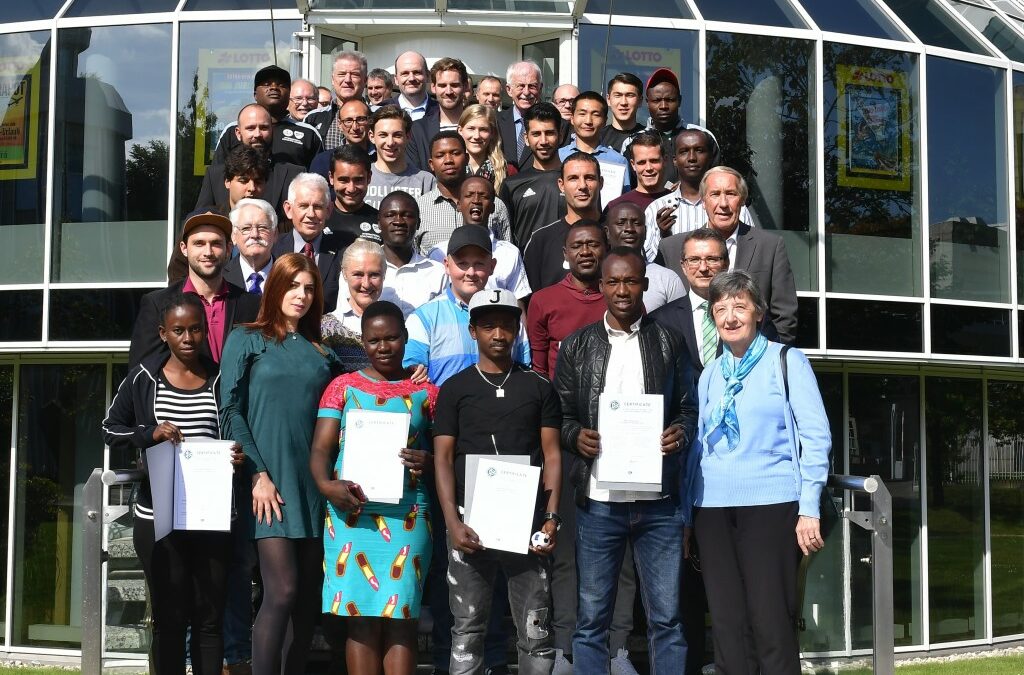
509	272
469	410
415	283
439	339
663	286
603	154
439	217
360	224
216	315
556	312
533	200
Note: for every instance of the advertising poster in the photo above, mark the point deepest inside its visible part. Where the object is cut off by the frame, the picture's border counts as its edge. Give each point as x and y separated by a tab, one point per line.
874	128
19	126
642	60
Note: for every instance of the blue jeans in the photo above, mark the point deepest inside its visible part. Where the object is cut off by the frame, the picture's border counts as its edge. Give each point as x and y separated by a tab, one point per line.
656	534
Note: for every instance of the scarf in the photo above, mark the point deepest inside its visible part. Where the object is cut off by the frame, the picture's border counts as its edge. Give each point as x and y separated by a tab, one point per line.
724	414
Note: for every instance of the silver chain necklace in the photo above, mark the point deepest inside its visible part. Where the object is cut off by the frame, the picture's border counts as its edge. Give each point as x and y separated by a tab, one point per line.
500	393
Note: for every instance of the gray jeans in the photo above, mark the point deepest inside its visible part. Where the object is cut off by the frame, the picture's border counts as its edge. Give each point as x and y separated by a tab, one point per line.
470	587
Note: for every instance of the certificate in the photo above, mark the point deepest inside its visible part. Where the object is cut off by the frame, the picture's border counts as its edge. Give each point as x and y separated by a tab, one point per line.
630	427
373	440
614	176
191	485
504	504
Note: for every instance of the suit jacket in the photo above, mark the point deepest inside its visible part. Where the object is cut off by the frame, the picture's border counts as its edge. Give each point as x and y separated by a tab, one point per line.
233	273
763	255
332	247
215	193
417	150
678	316
241	307
507	131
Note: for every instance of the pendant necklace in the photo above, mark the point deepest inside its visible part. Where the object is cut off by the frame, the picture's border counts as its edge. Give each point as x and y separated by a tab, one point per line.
500	393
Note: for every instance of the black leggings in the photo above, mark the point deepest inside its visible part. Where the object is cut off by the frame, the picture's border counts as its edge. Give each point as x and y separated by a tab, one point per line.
186	573
292	578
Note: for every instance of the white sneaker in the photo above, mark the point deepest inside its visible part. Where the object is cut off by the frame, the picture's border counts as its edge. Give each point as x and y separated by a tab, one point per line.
562	665
621	665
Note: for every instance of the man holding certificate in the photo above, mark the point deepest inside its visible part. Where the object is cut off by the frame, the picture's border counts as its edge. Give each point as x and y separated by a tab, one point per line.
628	408
496	424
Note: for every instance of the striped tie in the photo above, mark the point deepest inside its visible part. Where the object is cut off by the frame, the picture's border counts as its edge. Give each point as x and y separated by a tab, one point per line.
709	335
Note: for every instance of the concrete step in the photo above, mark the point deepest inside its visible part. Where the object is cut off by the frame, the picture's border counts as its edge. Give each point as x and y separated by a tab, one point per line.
131	638
121	549
126	590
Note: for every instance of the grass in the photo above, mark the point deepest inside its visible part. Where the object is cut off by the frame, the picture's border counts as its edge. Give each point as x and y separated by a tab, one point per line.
1000	665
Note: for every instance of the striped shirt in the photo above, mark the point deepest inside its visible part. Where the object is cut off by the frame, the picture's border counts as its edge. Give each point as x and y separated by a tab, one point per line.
439	339
689	216
439	217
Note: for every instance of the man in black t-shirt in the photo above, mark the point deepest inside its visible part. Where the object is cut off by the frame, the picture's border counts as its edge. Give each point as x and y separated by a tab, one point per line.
497	407
350	176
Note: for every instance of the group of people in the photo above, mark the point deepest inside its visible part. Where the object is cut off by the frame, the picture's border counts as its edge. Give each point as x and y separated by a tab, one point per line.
429	253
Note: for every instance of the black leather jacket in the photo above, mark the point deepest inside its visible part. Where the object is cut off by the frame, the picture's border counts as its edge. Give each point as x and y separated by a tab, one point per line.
579	379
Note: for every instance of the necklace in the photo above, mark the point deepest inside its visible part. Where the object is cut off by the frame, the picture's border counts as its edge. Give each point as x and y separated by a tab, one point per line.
500	393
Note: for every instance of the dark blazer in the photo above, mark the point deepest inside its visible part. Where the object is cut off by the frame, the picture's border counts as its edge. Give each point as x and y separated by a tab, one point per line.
579	380
242	307
678	316
763	255
215	193
233	273
417	150
332	247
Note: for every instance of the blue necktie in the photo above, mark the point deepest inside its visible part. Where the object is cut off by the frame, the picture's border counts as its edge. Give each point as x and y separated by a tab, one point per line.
255	282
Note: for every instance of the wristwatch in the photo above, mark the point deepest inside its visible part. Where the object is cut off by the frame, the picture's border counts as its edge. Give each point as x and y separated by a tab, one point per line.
555	517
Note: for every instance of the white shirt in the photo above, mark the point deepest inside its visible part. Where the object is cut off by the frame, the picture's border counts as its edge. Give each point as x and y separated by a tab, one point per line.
247	272
415	283
298	243
624	375
347	315
689	216
663	286
415	111
698	319
509	272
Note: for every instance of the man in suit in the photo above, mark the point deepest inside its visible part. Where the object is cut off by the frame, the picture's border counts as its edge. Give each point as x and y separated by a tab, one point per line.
204	243
524	84
449	81
762	254
411	78
254	233
348	78
308	207
254	132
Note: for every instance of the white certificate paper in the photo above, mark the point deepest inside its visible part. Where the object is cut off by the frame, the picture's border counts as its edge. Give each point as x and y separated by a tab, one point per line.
504	502
373	440
614	176
630	427
202	485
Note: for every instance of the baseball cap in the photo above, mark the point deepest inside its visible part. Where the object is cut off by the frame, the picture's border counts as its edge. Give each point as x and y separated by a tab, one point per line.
469	235
662	75
272	73
201	217
493	298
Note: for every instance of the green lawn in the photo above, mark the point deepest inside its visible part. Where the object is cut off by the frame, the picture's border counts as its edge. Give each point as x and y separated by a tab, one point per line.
1004	665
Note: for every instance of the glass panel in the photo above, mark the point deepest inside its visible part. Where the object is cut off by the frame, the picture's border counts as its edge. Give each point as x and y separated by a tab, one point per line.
60	408
956	509
807	323
371	4
545	54
224	5
663	9
968	238
859	17
535	6
113	130
216	63
1008	7
23	312
6	417
25	100
868	325
1018	162
640	51
934	26
884	438
11	12
94	314
970	330
1006	505
328	44
872	204
764	12
823	611
760	107
108	7
992	26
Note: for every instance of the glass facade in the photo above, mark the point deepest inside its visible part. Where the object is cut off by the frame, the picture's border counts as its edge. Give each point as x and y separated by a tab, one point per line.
883	140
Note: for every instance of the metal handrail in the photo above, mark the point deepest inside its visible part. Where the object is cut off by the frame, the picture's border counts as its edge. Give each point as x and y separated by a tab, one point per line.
97	515
877	521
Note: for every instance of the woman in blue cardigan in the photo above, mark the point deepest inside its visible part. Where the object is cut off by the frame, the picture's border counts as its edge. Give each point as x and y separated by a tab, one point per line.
756	471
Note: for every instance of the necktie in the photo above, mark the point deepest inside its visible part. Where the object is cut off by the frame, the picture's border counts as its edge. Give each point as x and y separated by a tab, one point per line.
255	283
520	140
709	335
307	251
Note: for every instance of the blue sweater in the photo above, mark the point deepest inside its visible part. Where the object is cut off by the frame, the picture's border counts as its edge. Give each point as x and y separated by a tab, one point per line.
767	466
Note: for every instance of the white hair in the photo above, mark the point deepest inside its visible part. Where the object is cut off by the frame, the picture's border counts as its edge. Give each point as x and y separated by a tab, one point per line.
309	180
265	207
518	66
359	248
303	80
350	55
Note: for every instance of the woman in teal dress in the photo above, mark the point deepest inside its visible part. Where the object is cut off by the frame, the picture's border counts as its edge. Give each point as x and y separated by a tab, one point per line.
273	372
376	555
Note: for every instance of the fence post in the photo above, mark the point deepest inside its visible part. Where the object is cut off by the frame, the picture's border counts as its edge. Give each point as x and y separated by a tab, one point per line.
881	580
92	575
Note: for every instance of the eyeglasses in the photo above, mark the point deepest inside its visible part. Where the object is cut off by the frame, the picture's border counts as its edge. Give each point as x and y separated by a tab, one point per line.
308	99
349	121
249	230
563	102
712	261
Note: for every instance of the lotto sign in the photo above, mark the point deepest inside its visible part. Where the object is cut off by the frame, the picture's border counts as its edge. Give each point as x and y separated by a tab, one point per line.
19	126
640	59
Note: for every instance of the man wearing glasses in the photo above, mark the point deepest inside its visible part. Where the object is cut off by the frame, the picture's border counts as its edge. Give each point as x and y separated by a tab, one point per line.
352	129
302	99
292	142
253	232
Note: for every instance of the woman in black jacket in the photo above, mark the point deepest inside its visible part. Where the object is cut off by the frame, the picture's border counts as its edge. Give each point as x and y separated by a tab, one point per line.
169	398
